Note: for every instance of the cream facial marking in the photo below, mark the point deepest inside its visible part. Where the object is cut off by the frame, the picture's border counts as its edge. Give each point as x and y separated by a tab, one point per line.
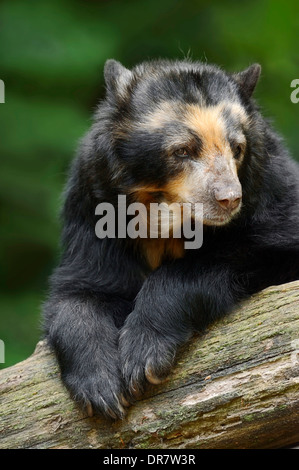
208	122
167	111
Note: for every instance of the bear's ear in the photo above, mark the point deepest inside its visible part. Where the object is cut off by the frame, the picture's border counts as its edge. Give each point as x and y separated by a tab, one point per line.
117	77
248	79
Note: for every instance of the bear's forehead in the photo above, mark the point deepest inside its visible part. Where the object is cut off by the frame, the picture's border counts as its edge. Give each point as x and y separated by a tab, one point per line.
211	124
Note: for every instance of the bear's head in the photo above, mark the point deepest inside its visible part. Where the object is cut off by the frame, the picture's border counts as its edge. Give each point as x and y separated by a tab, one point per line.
184	132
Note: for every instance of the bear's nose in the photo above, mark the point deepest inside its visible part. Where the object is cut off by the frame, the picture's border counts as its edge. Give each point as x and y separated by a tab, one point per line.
228	200
229	204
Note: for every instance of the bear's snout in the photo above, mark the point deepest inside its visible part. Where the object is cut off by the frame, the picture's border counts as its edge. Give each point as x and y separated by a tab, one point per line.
228	197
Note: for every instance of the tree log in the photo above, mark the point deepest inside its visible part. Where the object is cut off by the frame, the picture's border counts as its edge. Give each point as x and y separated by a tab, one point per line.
234	386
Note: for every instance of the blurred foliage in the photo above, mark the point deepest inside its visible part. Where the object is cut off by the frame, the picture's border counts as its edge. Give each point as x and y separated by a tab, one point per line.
52	55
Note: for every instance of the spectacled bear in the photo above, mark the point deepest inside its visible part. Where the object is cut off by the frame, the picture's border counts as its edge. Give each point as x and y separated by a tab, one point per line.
167	131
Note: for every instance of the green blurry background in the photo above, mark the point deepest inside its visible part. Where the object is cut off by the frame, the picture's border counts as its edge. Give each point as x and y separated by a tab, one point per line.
52	55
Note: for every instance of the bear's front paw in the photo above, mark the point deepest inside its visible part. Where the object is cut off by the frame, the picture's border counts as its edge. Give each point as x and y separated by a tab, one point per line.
146	356
100	392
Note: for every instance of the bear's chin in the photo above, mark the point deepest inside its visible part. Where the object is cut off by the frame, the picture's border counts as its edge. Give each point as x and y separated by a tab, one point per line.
216	222
219	220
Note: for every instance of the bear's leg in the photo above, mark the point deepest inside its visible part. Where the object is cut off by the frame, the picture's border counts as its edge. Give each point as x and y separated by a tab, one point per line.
175	301
82	331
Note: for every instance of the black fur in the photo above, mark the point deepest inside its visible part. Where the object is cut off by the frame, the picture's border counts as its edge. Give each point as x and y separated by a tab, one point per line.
109	317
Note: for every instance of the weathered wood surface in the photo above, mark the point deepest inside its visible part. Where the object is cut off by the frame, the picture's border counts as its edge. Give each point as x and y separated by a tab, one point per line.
236	386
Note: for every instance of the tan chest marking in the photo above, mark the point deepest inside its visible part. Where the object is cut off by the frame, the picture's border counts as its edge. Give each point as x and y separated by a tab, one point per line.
160	249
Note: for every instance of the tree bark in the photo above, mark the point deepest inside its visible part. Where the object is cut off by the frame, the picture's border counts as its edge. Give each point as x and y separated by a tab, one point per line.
235	386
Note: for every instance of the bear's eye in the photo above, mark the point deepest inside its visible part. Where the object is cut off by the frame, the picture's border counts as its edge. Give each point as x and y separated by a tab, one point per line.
182	153
237	151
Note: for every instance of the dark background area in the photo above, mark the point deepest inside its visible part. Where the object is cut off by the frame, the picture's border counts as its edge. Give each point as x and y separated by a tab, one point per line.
52	55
